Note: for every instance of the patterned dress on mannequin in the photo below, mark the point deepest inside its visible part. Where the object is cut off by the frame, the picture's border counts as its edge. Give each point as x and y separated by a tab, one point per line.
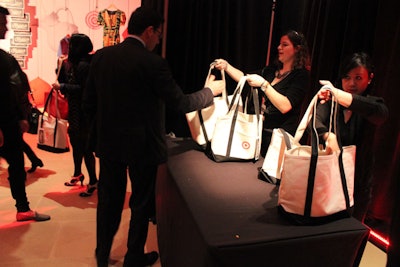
111	20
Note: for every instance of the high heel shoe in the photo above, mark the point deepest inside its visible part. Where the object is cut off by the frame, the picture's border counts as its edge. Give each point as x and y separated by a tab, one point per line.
74	180
89	190
35	164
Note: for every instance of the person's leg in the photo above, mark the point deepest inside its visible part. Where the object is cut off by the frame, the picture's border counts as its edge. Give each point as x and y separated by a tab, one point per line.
77	156
12	153
111	197
90	163
36	162
77	153
141	204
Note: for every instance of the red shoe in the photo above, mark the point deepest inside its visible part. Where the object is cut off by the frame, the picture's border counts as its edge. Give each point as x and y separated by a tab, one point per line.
75	179
31	215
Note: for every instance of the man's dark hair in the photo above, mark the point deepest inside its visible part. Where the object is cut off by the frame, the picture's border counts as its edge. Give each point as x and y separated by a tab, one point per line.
4	11
142	18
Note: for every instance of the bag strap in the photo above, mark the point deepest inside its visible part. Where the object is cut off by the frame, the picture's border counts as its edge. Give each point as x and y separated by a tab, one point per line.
224	93
341	167
234	108
224	96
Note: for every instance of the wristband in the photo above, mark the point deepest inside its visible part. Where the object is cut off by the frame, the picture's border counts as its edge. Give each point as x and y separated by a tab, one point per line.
264	85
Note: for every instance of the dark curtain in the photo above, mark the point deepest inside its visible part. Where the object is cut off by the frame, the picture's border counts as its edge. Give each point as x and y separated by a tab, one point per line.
201	30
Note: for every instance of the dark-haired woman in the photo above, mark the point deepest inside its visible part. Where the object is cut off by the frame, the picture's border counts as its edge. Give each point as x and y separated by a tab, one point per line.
284	84
72	84
358	115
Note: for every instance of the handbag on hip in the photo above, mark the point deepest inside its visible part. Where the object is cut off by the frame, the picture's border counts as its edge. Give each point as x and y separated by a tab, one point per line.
317	186
237	135
52	130
202	122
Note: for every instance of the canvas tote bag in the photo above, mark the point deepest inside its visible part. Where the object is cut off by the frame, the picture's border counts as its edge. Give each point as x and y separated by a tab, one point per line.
317	186
281	140
237	135
52	130
202	122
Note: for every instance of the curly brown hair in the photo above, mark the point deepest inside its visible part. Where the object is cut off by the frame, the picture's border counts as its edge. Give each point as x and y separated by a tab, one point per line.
302	57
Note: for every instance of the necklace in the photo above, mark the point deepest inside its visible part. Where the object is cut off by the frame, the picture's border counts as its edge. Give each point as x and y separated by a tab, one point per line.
283	75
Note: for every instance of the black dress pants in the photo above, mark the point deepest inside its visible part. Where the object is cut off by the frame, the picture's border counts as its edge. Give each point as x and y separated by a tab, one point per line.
111	197
12	152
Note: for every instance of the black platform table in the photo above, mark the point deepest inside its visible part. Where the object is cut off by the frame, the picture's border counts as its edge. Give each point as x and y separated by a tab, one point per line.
219	214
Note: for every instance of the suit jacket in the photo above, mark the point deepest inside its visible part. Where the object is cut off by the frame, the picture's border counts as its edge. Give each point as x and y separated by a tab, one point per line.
14	102
127	91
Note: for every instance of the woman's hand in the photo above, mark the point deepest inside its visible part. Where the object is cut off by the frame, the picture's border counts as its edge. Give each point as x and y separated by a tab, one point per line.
255	80
56	85
220	64
325	93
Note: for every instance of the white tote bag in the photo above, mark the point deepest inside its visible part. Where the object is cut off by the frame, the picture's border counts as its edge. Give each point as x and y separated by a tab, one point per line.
317	186
237	135
281	141
52	134
52	131
273	161
202	122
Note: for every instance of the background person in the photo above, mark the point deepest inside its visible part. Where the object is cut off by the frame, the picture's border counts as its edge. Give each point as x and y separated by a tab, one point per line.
14	111
76	70
284	85
358	114
127	93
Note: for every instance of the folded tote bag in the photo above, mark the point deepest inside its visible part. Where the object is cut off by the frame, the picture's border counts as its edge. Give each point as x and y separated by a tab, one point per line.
317	186
202	122
52	130
237	135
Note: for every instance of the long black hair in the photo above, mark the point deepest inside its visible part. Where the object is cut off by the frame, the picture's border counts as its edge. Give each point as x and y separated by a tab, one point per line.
80	47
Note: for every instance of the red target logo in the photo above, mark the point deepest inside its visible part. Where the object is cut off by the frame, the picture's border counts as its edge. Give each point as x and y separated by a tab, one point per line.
91	20
246	145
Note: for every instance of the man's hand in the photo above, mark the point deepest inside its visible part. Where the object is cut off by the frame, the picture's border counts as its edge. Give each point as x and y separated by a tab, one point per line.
216	86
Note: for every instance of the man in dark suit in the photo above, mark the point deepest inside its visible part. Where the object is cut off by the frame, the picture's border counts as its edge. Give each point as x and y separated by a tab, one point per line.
127	92
14	111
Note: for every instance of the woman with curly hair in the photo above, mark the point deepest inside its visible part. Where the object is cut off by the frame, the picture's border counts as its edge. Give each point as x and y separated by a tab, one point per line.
283	84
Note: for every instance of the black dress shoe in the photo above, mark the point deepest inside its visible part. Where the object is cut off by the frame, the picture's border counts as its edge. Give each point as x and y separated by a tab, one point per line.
35	164
144	261
151	258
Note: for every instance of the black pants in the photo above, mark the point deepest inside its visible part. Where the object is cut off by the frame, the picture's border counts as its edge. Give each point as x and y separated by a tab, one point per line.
29	152
111	197
12	152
